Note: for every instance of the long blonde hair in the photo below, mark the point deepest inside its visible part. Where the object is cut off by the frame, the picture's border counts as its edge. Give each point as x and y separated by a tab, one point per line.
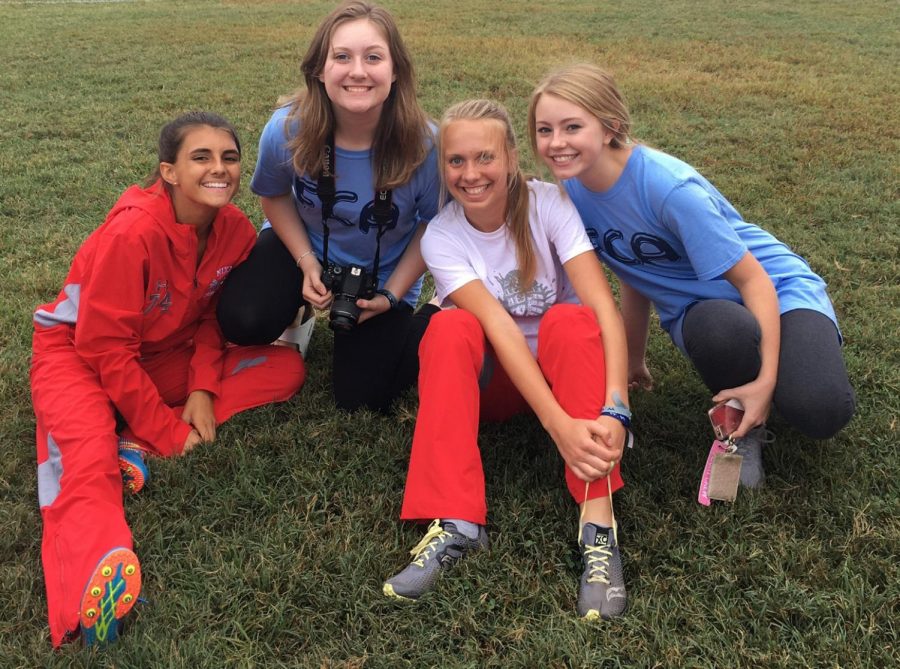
402	137
591	88
517	201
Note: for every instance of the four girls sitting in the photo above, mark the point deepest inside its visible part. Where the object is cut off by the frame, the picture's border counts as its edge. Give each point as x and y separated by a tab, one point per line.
130	358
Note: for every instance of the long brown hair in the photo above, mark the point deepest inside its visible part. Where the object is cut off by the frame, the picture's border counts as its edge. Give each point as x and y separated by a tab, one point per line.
517	201
401	138
591	88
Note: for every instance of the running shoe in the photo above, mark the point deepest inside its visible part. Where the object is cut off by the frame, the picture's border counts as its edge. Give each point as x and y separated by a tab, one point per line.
749	447
441	547
111	592
601	593
135	473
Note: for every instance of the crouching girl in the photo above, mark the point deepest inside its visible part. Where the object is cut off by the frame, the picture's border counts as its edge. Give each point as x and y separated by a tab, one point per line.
515	261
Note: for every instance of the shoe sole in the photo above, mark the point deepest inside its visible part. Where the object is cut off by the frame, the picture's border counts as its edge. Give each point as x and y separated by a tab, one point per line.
109	596
134	470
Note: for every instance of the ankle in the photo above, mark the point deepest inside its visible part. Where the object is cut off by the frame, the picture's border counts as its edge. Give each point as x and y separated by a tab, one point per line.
465	527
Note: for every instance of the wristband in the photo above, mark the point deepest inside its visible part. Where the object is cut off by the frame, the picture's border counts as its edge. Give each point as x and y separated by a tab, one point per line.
302	256
616	413
390	297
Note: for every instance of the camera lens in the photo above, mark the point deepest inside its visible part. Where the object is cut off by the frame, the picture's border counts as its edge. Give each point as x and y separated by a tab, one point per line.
344	313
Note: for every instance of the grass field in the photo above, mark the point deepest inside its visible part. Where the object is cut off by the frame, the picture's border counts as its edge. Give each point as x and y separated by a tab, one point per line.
269	547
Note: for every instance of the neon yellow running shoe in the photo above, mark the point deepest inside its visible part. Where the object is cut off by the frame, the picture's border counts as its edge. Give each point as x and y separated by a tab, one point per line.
602	590
441	547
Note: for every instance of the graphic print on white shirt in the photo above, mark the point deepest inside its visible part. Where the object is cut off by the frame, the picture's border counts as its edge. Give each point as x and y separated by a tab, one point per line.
533	302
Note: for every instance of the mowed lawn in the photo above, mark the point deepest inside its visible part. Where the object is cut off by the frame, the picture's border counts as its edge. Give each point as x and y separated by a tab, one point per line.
269	547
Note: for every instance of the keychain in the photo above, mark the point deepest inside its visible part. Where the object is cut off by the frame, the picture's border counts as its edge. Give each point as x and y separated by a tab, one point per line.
722	472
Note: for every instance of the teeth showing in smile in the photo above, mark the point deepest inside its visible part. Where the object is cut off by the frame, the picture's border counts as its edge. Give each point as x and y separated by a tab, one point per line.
356	89
215	184
475	190
559	160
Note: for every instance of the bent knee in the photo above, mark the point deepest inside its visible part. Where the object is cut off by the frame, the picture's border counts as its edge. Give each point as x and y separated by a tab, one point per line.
451	327
821	412
246	324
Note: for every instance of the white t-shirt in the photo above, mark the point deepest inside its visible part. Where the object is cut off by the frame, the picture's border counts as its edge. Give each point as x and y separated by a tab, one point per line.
456	253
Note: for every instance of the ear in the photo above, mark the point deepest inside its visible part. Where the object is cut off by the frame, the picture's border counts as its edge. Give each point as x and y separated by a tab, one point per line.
610	132
167	172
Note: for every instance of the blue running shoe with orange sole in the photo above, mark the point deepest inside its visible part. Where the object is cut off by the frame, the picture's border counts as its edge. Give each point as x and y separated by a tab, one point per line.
135	473
109	595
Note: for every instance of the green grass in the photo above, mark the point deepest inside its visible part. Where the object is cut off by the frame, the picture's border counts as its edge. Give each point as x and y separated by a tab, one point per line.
269	547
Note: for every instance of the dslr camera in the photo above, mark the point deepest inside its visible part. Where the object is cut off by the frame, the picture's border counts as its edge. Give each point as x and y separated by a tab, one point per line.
347	284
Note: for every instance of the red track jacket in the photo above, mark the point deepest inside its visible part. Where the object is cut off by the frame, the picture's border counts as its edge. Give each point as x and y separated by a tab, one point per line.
134	290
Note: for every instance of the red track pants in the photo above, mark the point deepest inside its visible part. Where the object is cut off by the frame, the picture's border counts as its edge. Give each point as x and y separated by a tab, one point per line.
79	483
446	478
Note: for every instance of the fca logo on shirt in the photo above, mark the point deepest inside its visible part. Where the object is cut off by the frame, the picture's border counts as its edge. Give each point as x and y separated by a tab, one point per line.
160	298
304	186
646	248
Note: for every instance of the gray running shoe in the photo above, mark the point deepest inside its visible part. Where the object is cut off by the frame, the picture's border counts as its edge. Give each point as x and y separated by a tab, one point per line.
602	590
440	548
750	448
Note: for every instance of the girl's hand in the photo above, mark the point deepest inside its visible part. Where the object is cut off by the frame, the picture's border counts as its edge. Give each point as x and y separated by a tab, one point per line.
314	291
199	413
193	439
377	305
613	436
585	446
639	377
756	397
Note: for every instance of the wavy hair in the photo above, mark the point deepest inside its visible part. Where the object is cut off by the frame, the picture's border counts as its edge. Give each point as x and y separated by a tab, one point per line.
401	138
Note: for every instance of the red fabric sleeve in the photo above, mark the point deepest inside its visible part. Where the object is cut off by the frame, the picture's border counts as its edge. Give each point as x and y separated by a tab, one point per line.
108	337
209	354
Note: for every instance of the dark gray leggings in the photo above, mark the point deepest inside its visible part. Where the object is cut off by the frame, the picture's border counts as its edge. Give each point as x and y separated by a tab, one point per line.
812	393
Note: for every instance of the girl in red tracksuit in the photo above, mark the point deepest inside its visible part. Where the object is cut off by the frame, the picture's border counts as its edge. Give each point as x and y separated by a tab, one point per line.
133	336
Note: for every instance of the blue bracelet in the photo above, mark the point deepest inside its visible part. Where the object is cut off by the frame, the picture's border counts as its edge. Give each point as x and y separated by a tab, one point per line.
616	413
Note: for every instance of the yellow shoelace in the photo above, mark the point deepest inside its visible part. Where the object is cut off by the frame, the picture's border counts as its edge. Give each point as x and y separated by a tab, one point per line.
421	550
598	563
612	513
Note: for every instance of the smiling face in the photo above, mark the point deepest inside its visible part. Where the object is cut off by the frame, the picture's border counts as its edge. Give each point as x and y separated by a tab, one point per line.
205	175
476	167
570	140
358	70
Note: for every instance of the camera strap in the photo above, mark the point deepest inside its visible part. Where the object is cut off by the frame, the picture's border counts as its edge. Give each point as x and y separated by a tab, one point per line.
381	208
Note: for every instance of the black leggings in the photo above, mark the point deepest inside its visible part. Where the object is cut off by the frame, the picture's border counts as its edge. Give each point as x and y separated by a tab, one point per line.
812	392
371	365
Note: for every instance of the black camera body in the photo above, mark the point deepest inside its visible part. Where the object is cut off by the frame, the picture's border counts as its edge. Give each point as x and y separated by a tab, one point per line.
347	284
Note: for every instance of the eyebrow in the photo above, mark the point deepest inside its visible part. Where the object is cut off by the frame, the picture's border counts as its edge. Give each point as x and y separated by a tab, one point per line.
371	47
564	120
203	150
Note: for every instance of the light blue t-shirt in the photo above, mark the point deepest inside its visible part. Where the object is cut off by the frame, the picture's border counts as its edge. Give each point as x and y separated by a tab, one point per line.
669	234
352	230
